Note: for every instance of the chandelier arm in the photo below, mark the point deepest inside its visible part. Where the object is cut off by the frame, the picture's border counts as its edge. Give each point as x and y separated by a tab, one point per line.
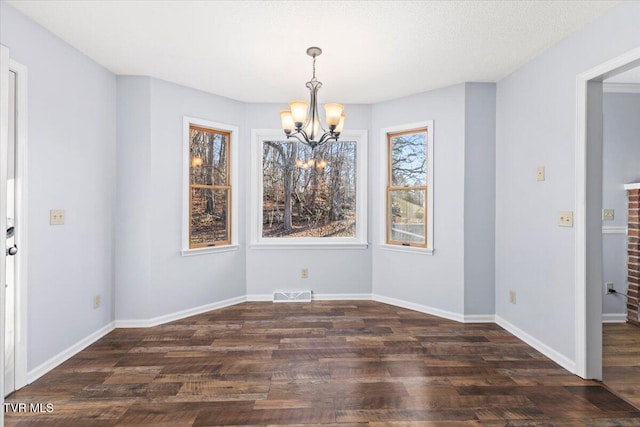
294	135
327	136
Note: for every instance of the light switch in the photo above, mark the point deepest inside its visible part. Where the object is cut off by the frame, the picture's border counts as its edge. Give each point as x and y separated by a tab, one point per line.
540	173
56	217
565	219
607	214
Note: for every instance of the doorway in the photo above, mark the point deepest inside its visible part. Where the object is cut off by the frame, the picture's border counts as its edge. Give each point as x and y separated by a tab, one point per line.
14	277
621	166
588	216
11	247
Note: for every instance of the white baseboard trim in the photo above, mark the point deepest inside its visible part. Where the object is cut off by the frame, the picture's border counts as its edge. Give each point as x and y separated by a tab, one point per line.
314	297
341	297
614	317
66	354
146	323
479	318
420	308
260	297
552	354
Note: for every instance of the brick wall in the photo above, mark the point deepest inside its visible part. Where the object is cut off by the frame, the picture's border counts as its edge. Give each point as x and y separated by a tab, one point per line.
633	256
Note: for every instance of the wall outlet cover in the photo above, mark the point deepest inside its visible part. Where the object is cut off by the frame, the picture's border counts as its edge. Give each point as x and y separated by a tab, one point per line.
608	214
56	217
540	173
565	219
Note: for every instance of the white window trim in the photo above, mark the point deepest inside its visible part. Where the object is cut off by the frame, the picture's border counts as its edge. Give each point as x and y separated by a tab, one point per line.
382	188
186	164
259	242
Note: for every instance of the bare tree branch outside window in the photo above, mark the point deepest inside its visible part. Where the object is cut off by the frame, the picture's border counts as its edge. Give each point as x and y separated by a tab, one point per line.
407	188
209	188
309	193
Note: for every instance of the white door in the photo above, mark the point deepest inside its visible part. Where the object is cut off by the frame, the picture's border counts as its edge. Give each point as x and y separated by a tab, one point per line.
4	121
12	250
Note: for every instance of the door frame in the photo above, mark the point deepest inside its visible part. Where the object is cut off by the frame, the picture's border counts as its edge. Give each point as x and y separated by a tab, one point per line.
4	136
21	236
588	203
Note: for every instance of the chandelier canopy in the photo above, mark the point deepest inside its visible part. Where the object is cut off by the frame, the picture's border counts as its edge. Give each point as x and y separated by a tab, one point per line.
302	121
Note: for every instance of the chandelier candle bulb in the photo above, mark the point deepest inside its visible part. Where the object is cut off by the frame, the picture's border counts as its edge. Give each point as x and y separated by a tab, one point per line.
287	120
340	124
333	113
299	112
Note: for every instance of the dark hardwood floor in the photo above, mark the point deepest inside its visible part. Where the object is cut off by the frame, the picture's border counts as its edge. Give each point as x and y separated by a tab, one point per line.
621	360
355	363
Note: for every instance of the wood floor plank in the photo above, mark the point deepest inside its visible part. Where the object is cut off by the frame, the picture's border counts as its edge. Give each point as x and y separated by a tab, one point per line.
333	363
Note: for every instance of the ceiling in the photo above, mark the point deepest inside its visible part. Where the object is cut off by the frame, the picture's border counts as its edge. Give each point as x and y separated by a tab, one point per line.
254	51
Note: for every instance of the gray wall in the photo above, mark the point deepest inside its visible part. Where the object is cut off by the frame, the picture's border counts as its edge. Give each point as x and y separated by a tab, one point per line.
434	281
536	121
479	198
153	278
621	165
71	166
339	271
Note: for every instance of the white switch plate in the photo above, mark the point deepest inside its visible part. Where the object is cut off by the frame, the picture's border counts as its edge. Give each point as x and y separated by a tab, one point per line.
608	214
56	217
540	173
565	219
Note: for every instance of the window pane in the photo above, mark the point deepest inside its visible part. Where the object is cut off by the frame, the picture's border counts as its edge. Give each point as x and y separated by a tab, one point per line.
208	151
209	216
409	159
309	193
407	216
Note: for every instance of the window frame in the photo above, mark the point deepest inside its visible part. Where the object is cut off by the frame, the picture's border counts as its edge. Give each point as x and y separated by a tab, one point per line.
232	182
359	241
386	188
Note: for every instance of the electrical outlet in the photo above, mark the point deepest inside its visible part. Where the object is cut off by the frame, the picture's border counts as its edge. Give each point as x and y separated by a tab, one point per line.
565	219
512	297
607	214
304	273
540	173
56	217
96	301
609	287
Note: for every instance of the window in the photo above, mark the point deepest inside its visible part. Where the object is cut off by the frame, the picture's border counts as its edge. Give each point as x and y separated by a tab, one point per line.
409	189
209	201
309	197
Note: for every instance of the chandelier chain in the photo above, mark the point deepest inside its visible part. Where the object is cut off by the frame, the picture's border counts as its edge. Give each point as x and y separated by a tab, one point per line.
314	68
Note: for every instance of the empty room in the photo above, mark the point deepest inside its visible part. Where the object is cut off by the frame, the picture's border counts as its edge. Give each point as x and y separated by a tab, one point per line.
338	213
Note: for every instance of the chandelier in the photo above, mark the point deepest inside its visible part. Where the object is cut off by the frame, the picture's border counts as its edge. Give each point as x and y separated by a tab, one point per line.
302	121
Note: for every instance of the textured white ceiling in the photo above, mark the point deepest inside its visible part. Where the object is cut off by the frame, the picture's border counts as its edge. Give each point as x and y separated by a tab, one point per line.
254	51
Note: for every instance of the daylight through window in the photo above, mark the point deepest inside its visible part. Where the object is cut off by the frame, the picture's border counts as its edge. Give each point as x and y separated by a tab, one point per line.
209	187
407	188
309	193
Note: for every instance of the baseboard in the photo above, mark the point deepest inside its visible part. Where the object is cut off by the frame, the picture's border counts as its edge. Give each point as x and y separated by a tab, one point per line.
146	323
420	308
614	317
315	297
260	297
479	318
66	354
342	297
552	354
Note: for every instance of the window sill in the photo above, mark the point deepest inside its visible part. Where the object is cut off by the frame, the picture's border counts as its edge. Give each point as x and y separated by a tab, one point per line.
307	245
407	249
210	250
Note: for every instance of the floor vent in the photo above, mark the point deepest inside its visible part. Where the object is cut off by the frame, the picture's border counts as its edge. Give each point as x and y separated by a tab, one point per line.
292	296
